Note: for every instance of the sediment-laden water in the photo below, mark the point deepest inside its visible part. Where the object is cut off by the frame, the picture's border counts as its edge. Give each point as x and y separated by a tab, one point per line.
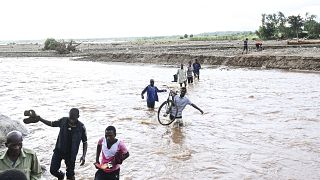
258	124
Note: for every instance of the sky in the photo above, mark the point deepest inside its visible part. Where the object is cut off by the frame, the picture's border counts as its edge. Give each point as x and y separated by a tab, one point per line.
76	19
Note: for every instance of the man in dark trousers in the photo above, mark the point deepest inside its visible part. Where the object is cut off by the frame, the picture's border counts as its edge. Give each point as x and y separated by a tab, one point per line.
152	94
72	131
196	69
245	46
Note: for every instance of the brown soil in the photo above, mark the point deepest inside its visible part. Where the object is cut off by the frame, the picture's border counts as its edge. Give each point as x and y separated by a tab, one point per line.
276	54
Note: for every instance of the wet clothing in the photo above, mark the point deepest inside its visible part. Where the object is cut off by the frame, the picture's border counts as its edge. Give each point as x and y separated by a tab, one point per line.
67	146
150	104
182	75
196	69
27	163
152	95
181	103
101	175
108	154
189	74
56	164
189	71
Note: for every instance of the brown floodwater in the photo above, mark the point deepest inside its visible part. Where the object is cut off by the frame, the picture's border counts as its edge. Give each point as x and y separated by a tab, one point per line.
258	124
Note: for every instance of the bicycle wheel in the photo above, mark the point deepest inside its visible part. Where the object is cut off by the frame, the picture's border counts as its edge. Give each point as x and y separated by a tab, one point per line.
164	113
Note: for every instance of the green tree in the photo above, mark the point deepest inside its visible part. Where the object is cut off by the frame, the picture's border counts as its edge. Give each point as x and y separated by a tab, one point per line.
312	26
296	23
282	30
50	44
185	36
268	28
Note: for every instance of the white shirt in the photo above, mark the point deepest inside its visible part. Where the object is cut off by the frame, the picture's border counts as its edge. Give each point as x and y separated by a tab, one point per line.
182	75
181	103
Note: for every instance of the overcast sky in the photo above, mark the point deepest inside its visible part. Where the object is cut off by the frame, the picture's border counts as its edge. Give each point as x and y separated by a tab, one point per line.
65	19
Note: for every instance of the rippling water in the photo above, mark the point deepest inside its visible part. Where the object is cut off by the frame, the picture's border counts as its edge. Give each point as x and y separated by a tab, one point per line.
258	124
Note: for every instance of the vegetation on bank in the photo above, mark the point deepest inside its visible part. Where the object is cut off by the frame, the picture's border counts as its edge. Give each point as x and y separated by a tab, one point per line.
278	26
226	36
61	47
213	36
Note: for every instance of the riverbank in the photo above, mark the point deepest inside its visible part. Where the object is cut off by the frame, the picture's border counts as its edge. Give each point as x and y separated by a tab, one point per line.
276	54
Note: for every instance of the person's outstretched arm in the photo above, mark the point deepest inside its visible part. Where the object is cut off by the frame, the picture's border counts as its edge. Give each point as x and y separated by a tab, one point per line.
49	123
195	106
162	90
144	91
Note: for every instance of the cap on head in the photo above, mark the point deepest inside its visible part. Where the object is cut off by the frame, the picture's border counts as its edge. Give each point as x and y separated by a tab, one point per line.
14	136
112	128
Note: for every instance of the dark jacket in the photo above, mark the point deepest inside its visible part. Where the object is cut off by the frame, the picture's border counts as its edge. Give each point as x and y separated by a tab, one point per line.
78	135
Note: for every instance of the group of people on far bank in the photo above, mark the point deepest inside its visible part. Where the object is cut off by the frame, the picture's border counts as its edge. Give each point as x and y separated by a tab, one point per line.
245	46
16	159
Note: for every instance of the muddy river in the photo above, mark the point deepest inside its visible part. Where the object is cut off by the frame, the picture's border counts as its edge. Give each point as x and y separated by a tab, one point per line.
258	124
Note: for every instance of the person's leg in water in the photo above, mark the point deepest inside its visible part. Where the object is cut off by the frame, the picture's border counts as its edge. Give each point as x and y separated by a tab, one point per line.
150	105
70	168
55	166
178	120
185	83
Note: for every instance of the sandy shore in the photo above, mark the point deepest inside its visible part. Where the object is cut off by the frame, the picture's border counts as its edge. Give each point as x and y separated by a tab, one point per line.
276	54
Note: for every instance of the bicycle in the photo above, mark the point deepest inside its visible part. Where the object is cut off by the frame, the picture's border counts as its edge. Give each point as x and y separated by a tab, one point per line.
165	117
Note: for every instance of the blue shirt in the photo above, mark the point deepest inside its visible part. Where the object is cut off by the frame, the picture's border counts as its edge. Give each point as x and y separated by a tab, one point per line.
196	67
152	93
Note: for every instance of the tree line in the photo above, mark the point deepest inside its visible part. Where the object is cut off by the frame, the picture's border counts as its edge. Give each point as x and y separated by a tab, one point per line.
278	26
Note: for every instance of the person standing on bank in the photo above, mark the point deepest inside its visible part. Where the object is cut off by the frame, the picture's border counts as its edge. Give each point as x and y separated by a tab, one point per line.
189	73
72	132
18	158
152	94
114	152
245	46
182	76
196	69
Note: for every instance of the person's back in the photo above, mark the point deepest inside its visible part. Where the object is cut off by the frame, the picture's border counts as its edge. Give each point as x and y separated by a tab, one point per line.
196	69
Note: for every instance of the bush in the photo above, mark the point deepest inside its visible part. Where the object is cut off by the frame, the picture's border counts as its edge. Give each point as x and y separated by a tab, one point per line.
60	47
50	44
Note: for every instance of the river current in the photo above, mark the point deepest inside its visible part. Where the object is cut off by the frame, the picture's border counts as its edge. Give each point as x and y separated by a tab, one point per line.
258	124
